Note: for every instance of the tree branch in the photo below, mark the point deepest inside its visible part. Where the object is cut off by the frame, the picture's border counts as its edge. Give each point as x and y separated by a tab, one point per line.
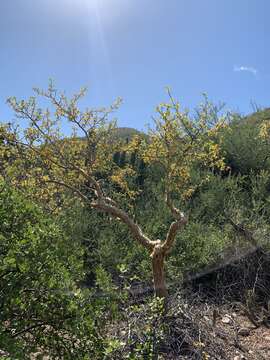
175	226
107	205
176	213
134	228
28	329
244	232
87	176
180	221
70	187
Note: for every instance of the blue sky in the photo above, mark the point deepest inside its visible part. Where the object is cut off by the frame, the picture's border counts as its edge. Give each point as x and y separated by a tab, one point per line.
134	48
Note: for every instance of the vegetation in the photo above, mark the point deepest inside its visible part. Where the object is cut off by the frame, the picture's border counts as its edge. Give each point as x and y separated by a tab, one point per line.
73	282
42	305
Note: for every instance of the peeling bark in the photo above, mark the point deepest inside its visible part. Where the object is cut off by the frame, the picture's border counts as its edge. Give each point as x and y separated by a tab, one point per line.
158	258
158	250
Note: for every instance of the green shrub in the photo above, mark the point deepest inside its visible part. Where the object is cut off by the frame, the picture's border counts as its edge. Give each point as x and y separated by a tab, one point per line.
42	307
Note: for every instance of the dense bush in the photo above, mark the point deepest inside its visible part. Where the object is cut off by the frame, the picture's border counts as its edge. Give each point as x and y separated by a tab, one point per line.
42	308
243	147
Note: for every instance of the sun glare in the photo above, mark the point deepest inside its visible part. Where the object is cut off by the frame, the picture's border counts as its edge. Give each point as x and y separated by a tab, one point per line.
106	10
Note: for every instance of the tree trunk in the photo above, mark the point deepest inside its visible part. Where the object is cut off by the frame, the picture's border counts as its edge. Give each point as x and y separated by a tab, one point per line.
158	257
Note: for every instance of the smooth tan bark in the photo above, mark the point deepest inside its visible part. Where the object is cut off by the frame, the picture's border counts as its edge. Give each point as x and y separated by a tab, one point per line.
158	259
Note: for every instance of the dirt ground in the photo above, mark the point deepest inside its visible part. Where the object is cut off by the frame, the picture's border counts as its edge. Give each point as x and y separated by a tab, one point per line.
237	335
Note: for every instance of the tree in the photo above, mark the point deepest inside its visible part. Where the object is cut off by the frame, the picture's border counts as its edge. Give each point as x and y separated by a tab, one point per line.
85	166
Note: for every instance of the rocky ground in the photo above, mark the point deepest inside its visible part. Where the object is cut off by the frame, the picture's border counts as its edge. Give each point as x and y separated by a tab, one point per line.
237	335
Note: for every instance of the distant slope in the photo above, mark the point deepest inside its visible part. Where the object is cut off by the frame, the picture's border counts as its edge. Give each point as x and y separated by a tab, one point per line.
126	133
123	133
258	116
244	151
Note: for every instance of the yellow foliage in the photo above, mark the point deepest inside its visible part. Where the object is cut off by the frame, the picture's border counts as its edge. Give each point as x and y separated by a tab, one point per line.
177	144
121	176
264	130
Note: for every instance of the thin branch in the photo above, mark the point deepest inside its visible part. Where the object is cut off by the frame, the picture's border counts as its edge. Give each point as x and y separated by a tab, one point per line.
244	232
70	187
37	151
176	213
69	114
87	176
188	131
7	273
28	329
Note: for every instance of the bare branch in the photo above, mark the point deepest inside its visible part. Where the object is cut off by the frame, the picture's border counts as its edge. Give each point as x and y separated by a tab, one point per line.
174	228
180	221
244	232
94	182
108	206
124	217
70	187
179	116
176	213
28	329
72	117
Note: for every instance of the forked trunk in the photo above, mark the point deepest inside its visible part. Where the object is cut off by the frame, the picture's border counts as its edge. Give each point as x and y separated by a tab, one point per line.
158	257
157	248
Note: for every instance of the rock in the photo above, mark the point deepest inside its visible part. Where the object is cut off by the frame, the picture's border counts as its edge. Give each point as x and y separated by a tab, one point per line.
226	319
3	354
244	332
221	334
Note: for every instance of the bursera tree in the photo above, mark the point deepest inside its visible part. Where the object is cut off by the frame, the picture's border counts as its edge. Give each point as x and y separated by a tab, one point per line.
83	161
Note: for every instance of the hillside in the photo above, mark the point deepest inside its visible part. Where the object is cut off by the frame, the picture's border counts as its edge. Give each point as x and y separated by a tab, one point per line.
126	133
258	116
